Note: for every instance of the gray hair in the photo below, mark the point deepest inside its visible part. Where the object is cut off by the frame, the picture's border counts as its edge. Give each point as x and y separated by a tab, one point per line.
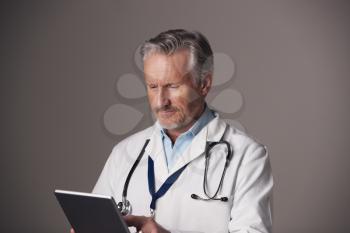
170	41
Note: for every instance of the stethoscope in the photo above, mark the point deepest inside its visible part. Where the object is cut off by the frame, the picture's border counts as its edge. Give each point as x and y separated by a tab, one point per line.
125	207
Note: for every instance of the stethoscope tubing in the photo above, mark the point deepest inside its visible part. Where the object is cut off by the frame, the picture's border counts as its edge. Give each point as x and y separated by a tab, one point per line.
125	207
131	172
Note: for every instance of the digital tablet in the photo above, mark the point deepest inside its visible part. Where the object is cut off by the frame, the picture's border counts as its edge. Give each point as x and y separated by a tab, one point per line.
91	213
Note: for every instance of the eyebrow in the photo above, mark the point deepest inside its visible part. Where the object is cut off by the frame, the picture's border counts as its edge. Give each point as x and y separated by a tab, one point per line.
165	83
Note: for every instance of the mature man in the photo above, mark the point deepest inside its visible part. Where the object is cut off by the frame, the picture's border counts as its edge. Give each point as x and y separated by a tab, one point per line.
185	190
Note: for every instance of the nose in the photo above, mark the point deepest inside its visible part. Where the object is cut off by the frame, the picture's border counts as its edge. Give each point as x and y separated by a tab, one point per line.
162	98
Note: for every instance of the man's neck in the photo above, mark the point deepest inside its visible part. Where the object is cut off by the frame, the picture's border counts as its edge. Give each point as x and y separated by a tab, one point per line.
174	134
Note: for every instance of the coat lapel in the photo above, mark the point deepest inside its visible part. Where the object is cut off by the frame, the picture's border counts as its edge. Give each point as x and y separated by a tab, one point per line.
156	151
195	149
212	132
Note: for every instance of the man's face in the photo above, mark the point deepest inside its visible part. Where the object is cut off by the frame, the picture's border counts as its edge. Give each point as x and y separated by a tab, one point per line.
175	99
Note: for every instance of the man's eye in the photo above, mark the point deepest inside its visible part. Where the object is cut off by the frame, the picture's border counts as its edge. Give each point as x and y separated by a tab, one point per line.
151	86
174	86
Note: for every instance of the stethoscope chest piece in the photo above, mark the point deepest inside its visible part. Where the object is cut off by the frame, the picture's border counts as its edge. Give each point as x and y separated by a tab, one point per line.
124	207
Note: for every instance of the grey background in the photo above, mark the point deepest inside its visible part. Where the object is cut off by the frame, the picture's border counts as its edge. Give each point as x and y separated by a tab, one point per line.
60	61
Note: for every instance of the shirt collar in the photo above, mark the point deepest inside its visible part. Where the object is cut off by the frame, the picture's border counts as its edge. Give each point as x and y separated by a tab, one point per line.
205	118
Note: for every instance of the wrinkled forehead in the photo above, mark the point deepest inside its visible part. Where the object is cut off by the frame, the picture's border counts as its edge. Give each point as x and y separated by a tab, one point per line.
160	65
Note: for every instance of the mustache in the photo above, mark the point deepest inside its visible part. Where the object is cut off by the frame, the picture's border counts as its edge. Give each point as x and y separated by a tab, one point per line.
165	108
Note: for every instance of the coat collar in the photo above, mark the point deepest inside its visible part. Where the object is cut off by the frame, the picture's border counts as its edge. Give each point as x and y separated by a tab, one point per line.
212	132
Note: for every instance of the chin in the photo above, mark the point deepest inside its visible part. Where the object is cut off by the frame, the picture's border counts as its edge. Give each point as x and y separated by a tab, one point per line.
170	126
175	125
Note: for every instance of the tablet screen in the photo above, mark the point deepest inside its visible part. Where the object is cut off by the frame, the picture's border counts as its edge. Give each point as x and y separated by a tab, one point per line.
91	213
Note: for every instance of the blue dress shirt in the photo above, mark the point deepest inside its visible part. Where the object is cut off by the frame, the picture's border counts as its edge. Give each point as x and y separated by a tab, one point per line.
173	152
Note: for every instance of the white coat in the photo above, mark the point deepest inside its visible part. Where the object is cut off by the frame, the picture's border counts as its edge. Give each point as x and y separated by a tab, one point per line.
247	184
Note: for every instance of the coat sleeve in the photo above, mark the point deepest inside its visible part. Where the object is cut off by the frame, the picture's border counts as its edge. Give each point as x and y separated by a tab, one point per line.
251	211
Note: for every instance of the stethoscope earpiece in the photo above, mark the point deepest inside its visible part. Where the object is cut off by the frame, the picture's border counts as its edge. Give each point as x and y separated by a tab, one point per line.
208	148
196	197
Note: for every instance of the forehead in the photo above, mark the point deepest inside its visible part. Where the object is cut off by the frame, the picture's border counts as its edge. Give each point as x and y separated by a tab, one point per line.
159	66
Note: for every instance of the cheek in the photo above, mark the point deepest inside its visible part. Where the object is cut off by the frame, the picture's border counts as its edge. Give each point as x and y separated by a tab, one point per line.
183	104
194	97
151	99
185	97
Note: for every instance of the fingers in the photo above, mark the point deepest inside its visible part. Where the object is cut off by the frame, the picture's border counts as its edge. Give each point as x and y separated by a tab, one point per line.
72	230
135	221
144	224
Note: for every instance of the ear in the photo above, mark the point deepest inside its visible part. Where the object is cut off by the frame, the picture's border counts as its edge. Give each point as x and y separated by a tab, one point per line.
206	84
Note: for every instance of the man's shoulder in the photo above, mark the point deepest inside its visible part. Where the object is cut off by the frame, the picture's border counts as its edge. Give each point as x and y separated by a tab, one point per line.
240	138
135	140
